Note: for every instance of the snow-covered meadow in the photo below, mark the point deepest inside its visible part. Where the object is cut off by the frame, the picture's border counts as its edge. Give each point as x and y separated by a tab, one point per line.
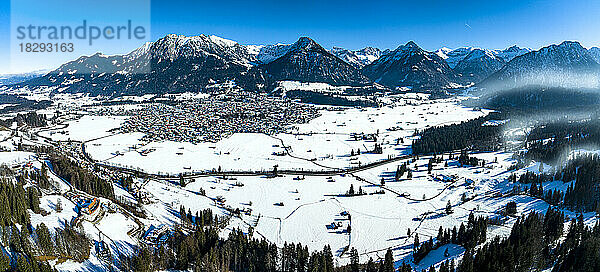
85	128
292	209
326	140
314	209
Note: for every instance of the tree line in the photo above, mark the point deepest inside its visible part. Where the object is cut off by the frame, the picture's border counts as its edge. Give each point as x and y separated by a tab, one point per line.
550	142
474	233
469	135
203	250
31	119
24	245
582	195
80	177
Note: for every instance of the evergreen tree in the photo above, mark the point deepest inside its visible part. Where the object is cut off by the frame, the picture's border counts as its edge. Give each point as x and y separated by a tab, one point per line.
354	260
351	191
388	263
416	242
23	265
448	208
45	239
371	266
4	262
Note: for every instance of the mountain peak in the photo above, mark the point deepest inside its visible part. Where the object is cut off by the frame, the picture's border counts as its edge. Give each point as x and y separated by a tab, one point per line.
557	65
595	53
357	58
573	49
305	43
570	44
408	47
411	66
411	44
512	48
307	61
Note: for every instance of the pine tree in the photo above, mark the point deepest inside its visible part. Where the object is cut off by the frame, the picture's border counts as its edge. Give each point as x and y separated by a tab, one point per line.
388	263
44	239
448	208
181	180
351	191
416	242
4	262
354	260
23	265
430	166
371	266
466	265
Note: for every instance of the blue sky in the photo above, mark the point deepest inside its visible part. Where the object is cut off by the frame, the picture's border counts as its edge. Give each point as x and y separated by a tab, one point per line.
356	24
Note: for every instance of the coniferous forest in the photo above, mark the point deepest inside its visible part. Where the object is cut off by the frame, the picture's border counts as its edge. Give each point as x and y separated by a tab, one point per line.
550	142
583	192
80	177
29	246
474	134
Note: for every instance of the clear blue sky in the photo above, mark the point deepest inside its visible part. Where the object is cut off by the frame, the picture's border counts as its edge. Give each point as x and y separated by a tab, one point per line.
385	24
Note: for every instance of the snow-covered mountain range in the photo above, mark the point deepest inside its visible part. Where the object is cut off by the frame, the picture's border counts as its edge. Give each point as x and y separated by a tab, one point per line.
177	63
268	53
567	64
474	64
305	60
8	79
173	63
411	66
358	58
478	64
454	56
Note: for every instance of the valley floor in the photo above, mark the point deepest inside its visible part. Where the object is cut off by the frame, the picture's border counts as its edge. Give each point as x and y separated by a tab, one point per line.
334	152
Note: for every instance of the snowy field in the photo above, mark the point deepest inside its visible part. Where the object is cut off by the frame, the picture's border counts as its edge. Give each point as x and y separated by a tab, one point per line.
312	210
86	128
292	210
326	140
15	158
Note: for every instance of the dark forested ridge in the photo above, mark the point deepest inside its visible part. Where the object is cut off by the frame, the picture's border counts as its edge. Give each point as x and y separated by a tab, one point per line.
24	246
550	141
31	119
582	195
533	245
529	246
81	178
538	99
17	103
328	99
468	236
474	134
